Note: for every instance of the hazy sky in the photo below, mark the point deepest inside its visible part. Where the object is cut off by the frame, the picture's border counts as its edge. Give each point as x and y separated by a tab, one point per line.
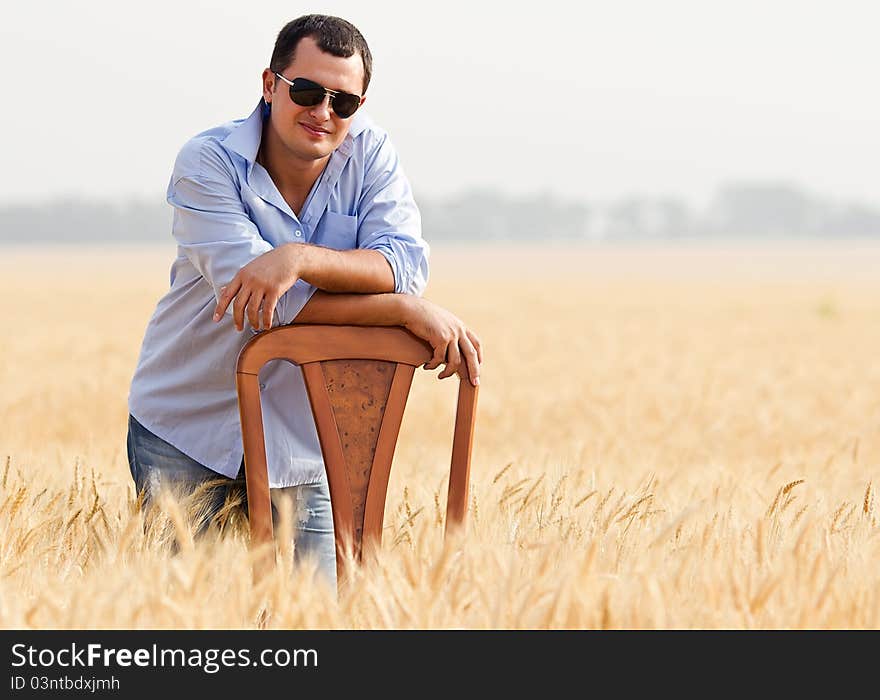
588	99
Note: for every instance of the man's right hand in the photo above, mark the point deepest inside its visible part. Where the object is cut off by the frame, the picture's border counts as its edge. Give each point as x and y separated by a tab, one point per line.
257	287
454	344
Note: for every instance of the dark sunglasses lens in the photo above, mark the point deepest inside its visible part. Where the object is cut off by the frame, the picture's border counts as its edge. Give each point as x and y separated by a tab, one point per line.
306	97
345	105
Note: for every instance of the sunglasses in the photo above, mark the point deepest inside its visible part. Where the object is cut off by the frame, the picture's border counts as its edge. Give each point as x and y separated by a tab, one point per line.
307	93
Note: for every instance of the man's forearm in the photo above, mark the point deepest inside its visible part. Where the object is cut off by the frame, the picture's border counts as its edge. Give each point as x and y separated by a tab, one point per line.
356	309
358	271
453	344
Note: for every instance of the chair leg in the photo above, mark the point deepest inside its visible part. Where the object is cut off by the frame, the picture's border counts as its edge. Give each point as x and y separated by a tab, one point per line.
256	473
462	444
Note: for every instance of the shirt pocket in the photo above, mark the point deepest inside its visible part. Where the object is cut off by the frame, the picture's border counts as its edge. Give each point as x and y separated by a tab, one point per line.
337	231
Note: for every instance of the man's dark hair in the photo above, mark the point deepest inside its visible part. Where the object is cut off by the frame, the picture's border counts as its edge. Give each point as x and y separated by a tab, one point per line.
333	35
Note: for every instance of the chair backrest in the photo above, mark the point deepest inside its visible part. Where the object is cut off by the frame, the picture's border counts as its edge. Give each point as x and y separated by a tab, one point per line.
358	379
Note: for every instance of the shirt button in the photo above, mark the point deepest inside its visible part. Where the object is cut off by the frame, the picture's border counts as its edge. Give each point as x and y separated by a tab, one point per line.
262	386
299	233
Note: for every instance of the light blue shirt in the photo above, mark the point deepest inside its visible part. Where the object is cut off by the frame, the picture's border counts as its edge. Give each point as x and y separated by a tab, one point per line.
227	211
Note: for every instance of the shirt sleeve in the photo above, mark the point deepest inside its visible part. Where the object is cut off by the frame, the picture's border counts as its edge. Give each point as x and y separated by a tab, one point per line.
214	231
389	220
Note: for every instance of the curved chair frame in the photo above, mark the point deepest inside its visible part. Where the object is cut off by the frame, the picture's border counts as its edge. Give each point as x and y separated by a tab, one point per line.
357	476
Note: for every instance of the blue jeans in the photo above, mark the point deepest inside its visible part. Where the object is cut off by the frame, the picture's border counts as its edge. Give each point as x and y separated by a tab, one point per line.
156	464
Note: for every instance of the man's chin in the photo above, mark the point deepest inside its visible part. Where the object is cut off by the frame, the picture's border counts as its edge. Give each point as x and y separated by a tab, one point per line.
313	151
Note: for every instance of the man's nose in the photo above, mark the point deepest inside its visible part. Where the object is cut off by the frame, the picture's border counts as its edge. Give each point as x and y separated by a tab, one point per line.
322	109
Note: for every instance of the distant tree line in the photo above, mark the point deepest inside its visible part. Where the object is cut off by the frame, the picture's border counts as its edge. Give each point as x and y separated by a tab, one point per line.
739	210
79	221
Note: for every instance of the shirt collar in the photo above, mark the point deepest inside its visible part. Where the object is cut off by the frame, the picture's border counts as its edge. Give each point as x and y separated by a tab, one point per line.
245	138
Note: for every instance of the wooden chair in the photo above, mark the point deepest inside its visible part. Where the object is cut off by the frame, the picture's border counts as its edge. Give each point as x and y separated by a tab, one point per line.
358	379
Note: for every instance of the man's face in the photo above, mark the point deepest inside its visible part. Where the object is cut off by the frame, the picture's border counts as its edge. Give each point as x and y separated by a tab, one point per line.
312	133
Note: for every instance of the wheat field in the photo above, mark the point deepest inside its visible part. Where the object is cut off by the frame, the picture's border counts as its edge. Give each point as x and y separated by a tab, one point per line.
681	437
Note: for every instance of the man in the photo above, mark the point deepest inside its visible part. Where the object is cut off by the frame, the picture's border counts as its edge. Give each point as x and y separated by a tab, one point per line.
301	212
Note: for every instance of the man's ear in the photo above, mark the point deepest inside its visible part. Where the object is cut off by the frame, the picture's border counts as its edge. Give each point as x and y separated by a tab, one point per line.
269	82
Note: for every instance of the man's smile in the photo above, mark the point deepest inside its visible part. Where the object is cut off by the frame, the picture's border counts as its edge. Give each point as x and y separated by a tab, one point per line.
315	131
